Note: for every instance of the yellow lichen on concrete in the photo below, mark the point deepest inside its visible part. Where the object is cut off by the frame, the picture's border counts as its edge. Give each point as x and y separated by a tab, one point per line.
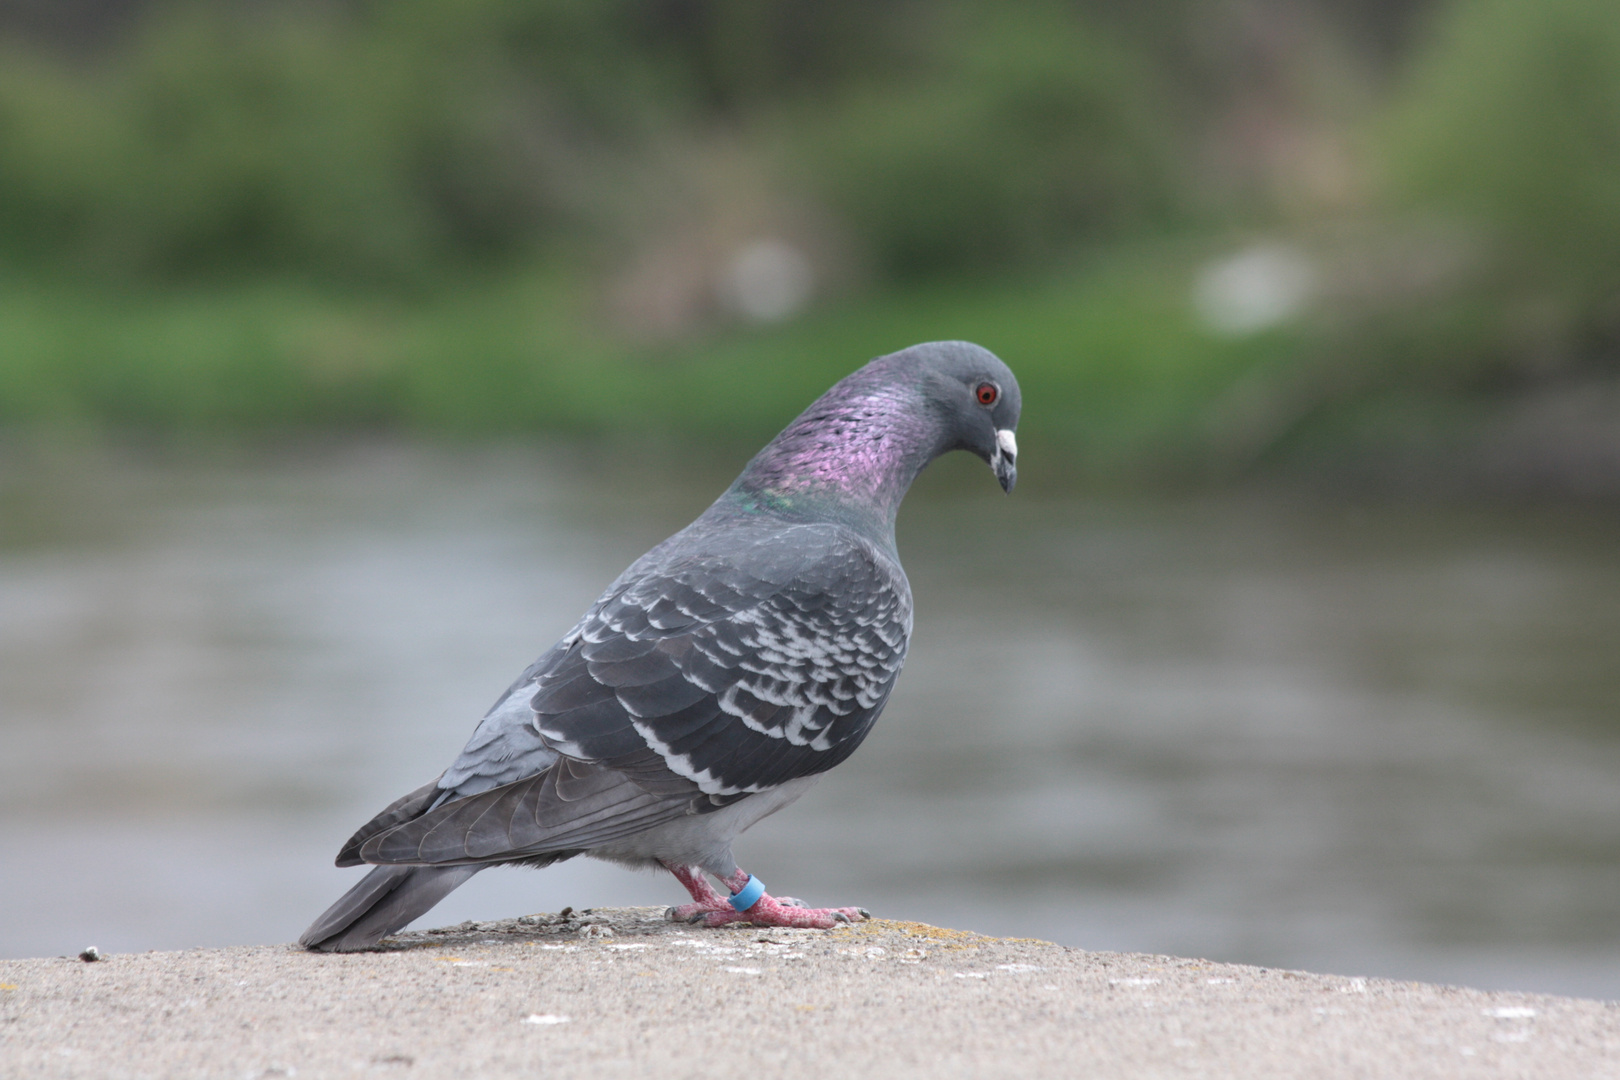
933	935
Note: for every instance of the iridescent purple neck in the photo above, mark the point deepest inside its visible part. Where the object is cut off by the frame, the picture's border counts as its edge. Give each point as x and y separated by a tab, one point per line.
851	456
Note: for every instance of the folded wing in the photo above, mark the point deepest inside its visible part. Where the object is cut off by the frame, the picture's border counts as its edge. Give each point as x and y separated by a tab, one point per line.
696	680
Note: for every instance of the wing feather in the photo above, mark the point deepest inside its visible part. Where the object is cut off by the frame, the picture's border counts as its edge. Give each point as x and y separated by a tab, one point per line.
795	661
530	817
696	679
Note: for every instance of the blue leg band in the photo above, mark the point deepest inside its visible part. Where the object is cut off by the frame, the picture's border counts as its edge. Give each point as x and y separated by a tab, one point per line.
749	894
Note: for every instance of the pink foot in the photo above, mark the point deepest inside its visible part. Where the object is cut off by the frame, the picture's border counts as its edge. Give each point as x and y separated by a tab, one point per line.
705	899
712	909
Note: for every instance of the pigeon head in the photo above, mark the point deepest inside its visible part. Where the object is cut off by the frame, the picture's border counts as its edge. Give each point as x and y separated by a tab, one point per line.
975	397
855	451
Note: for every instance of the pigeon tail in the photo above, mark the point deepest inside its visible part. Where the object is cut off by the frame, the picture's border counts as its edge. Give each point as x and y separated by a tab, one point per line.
382	902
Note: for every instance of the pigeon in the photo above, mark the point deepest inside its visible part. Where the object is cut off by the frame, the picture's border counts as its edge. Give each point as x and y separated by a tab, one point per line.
715	681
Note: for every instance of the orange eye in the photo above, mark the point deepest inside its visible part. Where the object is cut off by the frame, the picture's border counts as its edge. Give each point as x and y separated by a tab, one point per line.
987	393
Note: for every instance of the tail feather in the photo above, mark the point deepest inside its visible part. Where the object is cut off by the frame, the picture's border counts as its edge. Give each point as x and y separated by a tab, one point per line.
428	848
403	809
385	900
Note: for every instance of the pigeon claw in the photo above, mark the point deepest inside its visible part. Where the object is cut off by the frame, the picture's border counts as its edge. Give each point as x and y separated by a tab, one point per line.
688	913
769	911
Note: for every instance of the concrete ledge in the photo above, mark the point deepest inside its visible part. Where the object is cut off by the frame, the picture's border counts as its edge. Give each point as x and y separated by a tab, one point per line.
623	993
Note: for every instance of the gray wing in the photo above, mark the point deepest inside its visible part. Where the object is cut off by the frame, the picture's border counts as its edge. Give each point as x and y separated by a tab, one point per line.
697	679
737	675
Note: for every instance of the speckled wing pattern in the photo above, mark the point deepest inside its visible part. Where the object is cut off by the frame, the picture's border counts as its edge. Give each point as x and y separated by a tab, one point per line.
735	672
726	661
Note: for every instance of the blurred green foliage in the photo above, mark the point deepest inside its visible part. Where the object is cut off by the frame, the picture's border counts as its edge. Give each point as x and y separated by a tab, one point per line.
1510	121
1025	131
411	213
1111	341
309	141
388	142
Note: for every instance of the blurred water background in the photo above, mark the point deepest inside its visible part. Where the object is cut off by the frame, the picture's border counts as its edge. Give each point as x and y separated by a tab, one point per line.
1365	738
348	348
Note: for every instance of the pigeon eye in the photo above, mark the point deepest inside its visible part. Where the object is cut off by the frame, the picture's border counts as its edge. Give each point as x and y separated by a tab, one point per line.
987	393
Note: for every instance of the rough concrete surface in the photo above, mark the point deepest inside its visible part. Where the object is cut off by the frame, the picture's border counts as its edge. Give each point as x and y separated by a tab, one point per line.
623	993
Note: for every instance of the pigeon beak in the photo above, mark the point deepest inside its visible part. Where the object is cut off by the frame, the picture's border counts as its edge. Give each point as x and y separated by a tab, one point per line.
1005	463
